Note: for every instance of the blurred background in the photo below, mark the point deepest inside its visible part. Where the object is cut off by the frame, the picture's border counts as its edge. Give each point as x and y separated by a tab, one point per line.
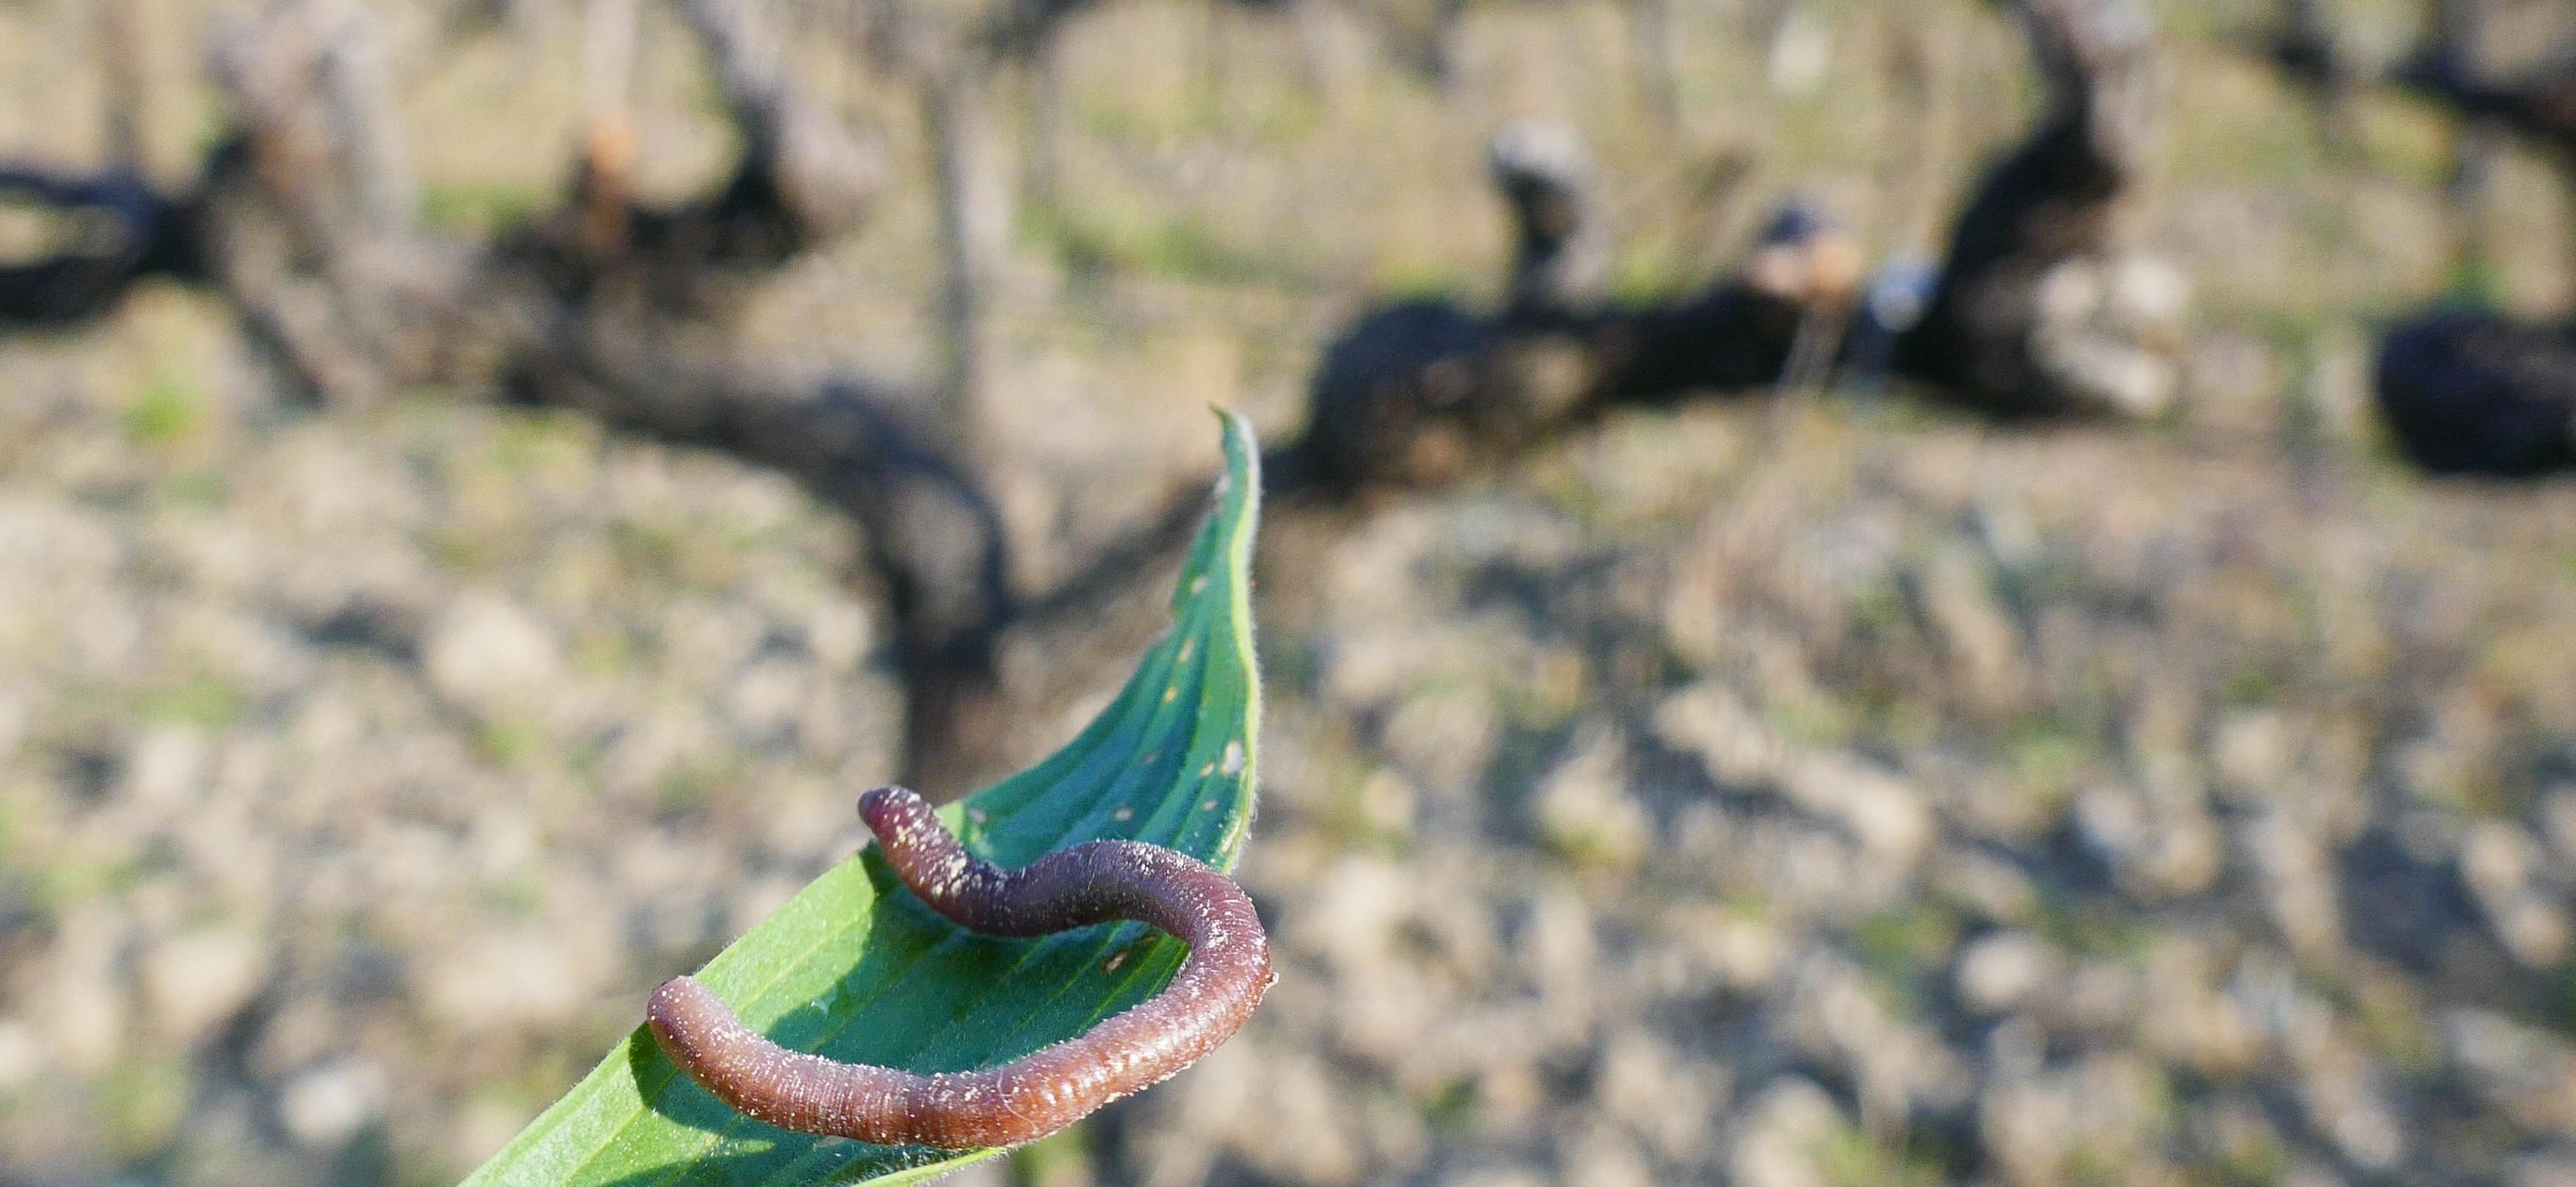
1825	781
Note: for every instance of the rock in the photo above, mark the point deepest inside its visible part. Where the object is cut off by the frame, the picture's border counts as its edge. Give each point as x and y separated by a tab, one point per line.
327	1105
1983	886
1348	918
1836	1017
1300	1133
167	767
1446	738
1892	822
766	699
2499	861
1386	1013
1387	805
1999	973
1742	951
2191	1024
2333	402
2101	1111
2340	1086
2304	1173
1493	1176
2527	1071
2298	884
2251	751
487	656
22	1054
2103	998
194	983
84	998
1658	1093
2543	1170
1973	630
2232	1131
1582	809
1600	1155
1707	719
503	979
2558	820
2106	331
2158	849
1776	1139
840	632
1559	951
2025	1128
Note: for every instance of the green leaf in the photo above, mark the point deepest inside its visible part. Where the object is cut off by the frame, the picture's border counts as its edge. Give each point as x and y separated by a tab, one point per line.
856	968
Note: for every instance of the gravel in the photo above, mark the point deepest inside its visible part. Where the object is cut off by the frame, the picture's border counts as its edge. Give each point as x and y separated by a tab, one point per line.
1842	793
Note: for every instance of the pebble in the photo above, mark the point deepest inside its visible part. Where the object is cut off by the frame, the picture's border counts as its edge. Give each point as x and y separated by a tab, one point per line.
486	655
196	982
327	1105
2001	973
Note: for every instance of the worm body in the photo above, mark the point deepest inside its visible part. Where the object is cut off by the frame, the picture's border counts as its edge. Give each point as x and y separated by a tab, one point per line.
1028	1098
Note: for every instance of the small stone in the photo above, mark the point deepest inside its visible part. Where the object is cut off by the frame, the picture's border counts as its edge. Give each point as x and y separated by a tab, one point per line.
22	1054
1999	973
1444	738
1742	951
1583	809
2498	861
1386	804
498	980
1492	1176
486	655
1656	1091
2543	1170
1776	1142
2251	753
1973	629
768	697
194	983
167	766
1349	915
1558	952
2157	851
2523	1068
2309	1174
2558	820
85	1003
1303	1134
1709	720
1889	818
1599	1156
1984	886
324	1107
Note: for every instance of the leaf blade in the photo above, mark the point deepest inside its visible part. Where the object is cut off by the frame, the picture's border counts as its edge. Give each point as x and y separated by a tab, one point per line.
854	967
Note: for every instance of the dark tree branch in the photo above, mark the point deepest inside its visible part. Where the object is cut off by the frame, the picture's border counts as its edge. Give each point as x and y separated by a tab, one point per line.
140	234
2539	105
2040	310
624	312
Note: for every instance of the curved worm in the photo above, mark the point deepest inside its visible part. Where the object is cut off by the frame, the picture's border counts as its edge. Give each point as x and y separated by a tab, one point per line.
1039	1093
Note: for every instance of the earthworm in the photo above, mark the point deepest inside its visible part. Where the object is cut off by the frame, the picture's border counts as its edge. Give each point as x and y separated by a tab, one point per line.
1227	971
